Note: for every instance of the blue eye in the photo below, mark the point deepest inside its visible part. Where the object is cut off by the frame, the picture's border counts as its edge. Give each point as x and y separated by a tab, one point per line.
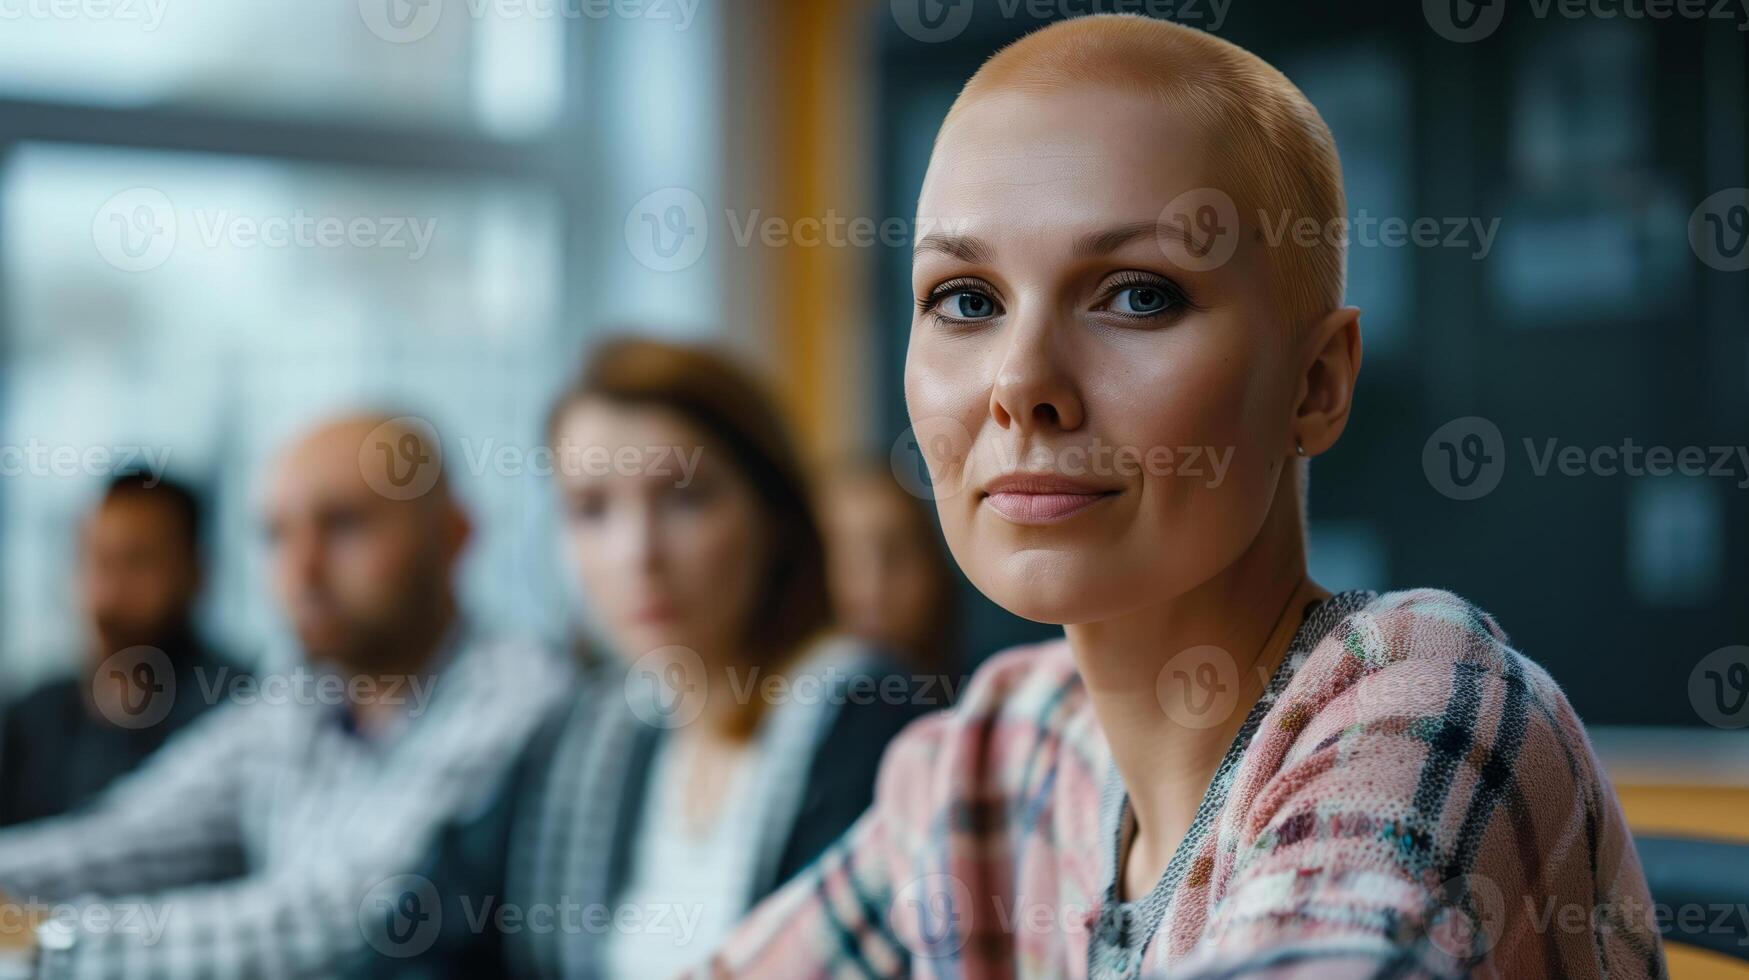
1139	301
968	305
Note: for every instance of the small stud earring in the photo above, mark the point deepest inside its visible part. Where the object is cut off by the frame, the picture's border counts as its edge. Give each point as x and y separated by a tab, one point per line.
1299	447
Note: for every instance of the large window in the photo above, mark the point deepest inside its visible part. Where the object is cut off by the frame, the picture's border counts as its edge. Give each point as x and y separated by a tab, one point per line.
493	66
222	221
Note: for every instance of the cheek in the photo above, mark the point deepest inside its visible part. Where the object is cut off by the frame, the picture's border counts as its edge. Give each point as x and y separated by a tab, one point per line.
1211	423
714	555
373	567
947	395
590	556
1189	389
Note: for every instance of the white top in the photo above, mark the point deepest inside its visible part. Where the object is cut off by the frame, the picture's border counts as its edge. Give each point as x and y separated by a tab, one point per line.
687	888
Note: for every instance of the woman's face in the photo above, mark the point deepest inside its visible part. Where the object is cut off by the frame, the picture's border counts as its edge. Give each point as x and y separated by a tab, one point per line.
1068	328
884	581
667	555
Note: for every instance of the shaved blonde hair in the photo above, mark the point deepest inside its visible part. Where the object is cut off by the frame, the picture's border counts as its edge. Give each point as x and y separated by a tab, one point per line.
1271	151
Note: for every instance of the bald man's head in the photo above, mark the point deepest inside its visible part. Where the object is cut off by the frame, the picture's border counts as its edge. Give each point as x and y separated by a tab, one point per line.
1271	152
365	537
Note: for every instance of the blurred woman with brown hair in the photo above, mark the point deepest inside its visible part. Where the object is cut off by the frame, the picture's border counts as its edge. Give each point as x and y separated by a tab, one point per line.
729	737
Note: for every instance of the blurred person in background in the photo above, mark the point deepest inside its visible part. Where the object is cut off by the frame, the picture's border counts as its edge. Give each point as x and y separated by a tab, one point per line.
892	582
731	737
248	845
139	576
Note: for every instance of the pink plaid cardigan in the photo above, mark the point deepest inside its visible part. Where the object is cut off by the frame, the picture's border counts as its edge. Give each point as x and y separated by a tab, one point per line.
1411	798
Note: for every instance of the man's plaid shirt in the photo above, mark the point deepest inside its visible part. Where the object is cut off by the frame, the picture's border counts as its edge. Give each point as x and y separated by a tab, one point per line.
251	844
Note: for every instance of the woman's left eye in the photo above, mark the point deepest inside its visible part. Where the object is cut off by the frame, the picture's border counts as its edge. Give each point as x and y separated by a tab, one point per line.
1139	301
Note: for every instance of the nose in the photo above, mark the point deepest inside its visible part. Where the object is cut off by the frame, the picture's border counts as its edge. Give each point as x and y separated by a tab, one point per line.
1034	388
637	535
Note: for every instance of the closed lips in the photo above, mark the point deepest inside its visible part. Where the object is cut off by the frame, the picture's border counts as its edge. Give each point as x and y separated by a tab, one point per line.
1039	499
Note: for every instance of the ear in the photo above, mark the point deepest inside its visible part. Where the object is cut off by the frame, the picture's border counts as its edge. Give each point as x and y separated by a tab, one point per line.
1326	391
458	528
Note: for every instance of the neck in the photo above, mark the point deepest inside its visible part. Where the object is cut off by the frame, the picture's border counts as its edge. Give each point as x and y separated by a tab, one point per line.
745	684
1172	683
414	658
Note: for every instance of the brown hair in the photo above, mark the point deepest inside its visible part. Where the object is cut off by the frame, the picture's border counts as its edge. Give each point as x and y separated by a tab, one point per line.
732	408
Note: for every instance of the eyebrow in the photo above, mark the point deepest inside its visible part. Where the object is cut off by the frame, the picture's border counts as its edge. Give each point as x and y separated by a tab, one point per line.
1112	239
967	248
963	247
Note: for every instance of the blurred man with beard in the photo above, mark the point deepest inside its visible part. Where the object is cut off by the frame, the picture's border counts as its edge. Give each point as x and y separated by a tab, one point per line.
255	843
139	577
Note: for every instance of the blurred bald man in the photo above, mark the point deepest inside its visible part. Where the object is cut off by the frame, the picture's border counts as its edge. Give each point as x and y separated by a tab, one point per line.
253	844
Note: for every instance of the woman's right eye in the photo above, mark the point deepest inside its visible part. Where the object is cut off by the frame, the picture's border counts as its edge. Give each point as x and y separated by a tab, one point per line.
587	507
963	304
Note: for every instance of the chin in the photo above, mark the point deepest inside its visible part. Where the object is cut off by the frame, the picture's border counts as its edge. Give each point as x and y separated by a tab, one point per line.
1046	588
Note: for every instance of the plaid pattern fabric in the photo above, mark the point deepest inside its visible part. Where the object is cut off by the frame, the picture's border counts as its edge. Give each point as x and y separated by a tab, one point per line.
249	846
1417	800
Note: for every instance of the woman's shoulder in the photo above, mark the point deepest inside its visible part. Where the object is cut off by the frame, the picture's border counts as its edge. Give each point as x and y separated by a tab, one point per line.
1422	653
1424	629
